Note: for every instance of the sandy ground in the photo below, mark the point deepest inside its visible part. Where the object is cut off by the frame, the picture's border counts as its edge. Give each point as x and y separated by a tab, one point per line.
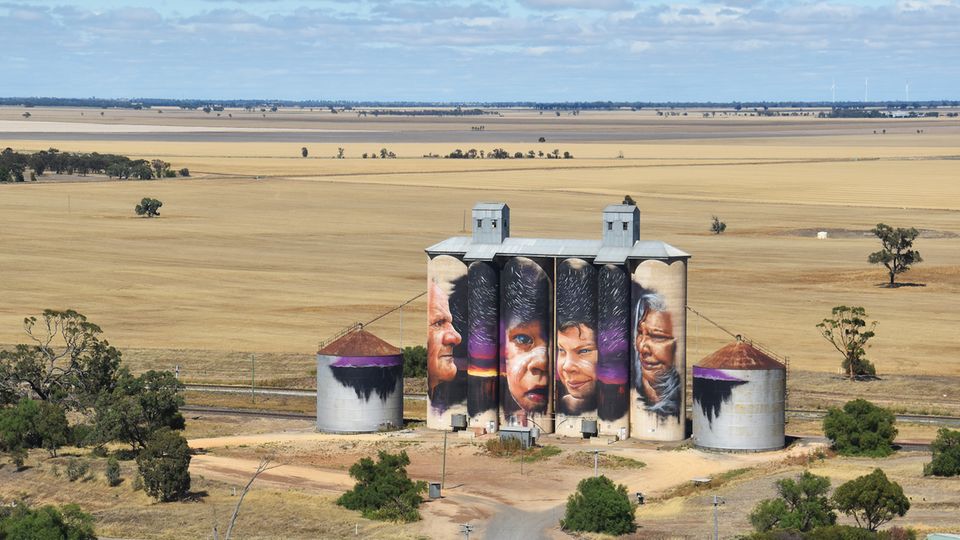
496	499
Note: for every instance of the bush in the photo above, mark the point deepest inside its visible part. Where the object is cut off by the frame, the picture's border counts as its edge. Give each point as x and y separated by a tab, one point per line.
164	464
871	499
840	532
113	472
48	522
77	469
383	491
415	361
18	456
860	429
599	506
946	454
33	424
184	172
717	226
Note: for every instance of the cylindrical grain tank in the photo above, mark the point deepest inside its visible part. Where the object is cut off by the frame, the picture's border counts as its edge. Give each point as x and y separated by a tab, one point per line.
739	395
483	348
359	384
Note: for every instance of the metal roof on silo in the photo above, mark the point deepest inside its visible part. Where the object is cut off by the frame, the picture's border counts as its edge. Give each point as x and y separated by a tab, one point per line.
740	355
359	342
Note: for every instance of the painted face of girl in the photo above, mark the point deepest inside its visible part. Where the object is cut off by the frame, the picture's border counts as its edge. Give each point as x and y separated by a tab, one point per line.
577	360
526	362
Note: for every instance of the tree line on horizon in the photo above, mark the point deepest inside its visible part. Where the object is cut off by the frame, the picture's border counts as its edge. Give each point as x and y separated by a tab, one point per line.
13	165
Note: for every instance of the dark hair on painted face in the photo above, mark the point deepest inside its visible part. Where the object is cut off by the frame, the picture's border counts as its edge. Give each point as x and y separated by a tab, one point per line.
576	295
613	343
526	292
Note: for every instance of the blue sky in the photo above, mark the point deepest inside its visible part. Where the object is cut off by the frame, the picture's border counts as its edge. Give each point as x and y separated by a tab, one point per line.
473	50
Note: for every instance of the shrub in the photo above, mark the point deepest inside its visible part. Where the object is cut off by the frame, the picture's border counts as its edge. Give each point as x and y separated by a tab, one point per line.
77	469
33	424
113	472
383	490
840	532
18	456
946	454
599	506
802	505
184	172
860	428
871	499
717	226
164	464
46	522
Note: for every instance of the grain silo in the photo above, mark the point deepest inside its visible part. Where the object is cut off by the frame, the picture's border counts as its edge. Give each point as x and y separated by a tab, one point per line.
739	395
359	384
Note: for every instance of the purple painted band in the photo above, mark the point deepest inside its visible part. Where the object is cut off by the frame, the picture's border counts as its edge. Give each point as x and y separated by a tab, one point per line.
613	374
368	361
714	374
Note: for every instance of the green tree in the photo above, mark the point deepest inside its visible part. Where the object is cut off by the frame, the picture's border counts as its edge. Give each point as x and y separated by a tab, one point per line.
802	505
896	252
304	152
846	329
33	424
627	199
871	499
148	207
160	167
599	506
946	454
138	407
67	363
383	490
415	361
860	428
164	465
717	227
184	172
46	523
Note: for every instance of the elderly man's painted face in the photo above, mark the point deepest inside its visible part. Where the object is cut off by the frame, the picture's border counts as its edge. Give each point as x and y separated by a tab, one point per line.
656	348
577	360
442	337
526	363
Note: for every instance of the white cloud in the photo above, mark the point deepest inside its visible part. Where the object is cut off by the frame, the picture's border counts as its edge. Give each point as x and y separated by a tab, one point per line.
637	47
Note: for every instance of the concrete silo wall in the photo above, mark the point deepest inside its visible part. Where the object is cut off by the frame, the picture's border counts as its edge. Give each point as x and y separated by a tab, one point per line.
447	339
483	347
738	409
575	366
358	394
526	343
659	301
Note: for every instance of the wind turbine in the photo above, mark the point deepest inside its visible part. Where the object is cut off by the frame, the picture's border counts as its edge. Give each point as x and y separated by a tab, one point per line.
833	91
866	88
908	90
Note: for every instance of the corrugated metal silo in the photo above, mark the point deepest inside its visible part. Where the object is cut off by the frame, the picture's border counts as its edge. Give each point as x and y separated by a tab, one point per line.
739	394
359	384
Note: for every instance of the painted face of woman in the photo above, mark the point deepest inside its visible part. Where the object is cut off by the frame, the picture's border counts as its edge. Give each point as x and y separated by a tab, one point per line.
577	361
526	363
656	347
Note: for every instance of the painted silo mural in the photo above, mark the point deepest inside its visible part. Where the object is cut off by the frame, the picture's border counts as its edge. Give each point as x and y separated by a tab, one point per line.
576	351
483	345
525	344
659	332
447	338
613	359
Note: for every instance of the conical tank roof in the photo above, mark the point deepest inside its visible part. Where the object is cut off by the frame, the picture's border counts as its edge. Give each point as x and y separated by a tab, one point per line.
359	342
739	355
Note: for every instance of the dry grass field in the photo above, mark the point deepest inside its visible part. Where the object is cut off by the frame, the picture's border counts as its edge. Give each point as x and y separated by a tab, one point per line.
239	265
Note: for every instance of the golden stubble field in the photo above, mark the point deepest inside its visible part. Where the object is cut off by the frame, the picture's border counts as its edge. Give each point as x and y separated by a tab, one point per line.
273	265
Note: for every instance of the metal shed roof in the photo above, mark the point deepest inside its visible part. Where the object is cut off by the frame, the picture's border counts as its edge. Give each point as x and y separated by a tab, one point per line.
546	247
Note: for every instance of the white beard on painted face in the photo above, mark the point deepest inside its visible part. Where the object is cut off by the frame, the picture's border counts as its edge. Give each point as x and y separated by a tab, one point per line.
533	398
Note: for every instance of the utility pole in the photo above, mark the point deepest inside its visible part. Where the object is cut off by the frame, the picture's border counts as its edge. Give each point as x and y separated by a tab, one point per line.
443	469
717	501
596	460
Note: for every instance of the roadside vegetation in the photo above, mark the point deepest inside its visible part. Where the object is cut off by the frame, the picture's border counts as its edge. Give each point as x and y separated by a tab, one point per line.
860	428
599	506
67	387
383	490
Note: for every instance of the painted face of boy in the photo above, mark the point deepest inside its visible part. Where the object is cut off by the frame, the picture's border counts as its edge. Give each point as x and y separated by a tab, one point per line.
577	361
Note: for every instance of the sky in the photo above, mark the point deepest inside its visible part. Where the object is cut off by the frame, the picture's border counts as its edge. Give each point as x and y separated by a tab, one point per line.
473	50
